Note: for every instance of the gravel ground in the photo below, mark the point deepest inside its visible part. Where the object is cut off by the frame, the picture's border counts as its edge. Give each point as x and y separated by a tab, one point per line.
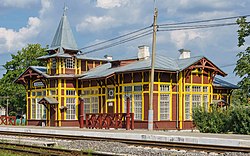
113	147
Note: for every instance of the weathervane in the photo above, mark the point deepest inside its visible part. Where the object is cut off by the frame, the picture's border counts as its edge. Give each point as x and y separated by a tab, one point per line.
65	8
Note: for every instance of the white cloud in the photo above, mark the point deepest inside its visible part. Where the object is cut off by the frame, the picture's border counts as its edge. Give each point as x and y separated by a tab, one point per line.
13	40
181	38
108	4
94	23
46	5
18	3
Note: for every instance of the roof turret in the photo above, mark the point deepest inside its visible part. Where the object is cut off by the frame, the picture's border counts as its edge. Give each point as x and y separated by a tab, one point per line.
64	38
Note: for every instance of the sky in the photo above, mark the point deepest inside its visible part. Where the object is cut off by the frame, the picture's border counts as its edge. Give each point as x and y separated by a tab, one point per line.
24	22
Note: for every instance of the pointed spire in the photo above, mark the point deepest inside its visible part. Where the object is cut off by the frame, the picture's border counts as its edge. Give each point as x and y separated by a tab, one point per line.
64	37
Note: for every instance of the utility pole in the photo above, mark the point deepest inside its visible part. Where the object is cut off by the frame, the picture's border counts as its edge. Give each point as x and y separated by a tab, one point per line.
151	96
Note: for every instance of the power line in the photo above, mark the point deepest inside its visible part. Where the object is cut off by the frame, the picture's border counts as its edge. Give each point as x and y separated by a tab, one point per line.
197	27
228	65
115	38
162	27
201	21
120	42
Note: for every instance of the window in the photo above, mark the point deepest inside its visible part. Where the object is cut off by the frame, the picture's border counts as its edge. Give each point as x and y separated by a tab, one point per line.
164	88
53	66
187	107
196	100
70	63
38	110
187	88
87	105
71	108
205	102
33	103
70	92
205	89
52	92
164	107
128	89
138	106
196	88
125	102
94	104
138	88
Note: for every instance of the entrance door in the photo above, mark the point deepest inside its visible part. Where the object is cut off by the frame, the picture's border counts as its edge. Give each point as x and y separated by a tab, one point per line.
111	107
52	115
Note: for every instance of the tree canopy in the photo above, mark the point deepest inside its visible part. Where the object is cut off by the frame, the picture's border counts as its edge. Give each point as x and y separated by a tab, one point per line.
242	68
19	63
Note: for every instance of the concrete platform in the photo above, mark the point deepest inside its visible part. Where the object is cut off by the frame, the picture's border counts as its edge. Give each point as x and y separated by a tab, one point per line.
165	136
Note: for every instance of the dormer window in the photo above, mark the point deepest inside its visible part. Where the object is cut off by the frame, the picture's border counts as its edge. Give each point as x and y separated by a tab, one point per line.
70	63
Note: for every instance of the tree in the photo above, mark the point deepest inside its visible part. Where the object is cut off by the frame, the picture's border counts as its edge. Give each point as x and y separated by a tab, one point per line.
19	63
242	68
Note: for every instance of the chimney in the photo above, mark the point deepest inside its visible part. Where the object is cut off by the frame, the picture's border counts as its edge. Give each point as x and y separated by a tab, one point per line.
184	53
108	57
143	52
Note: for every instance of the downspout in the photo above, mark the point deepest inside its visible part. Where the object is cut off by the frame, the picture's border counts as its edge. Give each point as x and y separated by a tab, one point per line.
177	99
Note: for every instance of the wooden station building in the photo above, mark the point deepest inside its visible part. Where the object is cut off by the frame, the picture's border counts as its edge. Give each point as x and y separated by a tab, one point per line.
180	84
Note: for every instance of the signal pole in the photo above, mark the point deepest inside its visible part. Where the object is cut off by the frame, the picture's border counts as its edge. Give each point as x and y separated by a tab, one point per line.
151	96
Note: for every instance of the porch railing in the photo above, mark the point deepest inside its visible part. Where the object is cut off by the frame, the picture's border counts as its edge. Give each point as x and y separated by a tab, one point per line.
107	121
7	120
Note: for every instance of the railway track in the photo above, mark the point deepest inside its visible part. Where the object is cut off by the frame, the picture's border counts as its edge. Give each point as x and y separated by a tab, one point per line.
152	144
45	151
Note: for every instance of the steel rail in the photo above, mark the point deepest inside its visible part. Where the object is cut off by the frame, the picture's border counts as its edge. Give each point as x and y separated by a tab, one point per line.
42	150
145	143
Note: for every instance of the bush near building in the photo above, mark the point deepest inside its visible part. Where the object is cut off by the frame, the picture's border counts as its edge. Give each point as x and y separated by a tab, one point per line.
235	120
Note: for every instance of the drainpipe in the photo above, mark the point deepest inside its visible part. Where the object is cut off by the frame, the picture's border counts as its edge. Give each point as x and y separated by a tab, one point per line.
177	100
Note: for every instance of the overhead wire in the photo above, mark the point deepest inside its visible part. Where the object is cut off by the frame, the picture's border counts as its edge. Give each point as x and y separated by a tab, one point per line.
161	27
202	21
196	27
115	38
134	37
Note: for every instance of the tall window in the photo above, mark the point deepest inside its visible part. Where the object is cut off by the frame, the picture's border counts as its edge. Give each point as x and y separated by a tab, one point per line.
38	110
71	108
164	107
187	107
33	103
70	63
138	106
130	102
94	104
91	101
205	101
87	105
196	100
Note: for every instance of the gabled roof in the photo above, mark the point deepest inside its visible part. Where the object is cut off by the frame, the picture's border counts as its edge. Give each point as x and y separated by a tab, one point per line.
48	100
223	84
64	37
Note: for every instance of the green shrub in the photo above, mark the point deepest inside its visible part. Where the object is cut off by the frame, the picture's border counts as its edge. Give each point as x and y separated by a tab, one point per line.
236	120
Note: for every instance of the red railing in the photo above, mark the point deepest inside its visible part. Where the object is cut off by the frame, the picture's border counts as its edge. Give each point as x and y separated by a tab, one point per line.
7	120
104	120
